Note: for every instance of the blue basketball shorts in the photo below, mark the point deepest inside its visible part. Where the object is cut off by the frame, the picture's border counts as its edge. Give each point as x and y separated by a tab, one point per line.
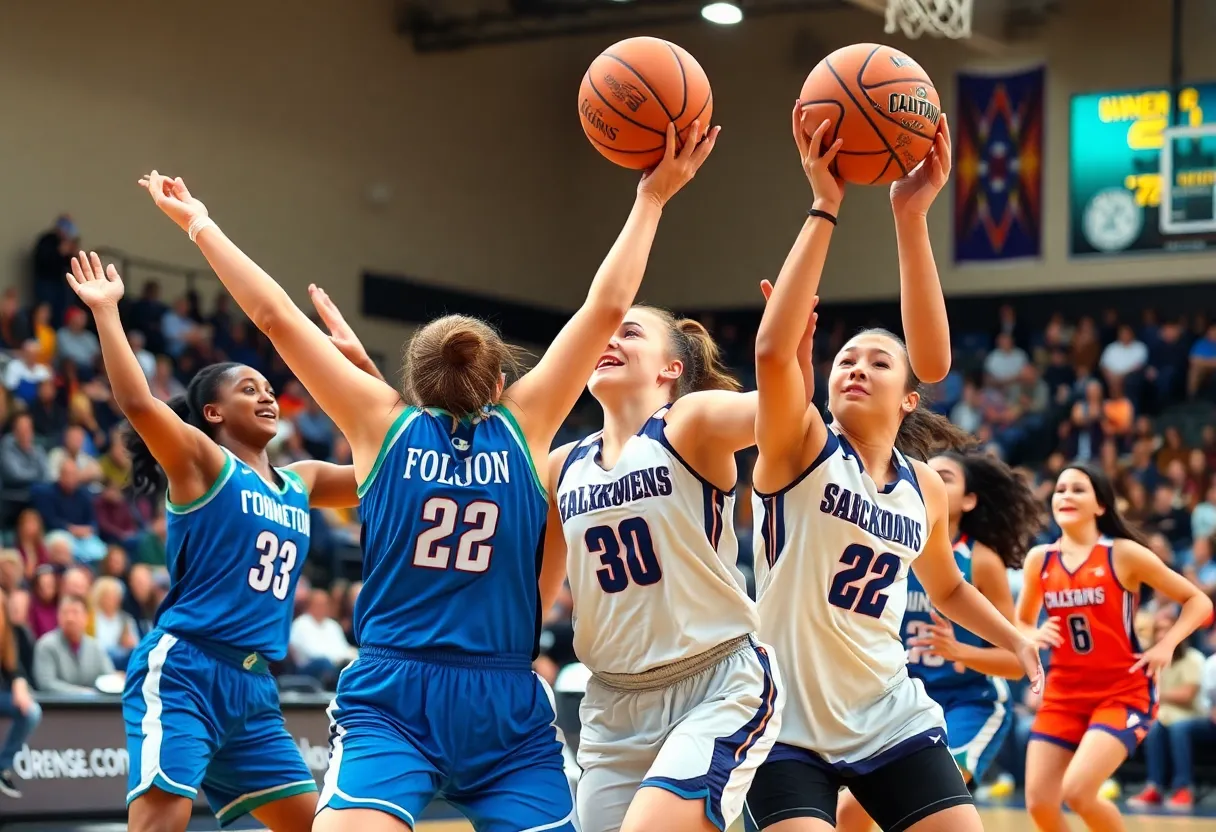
478	730
194	720
977	723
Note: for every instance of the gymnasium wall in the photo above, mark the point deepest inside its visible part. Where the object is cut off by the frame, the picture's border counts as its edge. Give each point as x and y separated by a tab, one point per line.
282	114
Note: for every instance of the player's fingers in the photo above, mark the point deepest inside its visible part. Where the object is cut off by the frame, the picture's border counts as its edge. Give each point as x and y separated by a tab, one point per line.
831	152
701	152
1140	661
672	143
799	132
938	618
180	189
766	288
112	273
691	140
817	149
943	129
99	272
77	275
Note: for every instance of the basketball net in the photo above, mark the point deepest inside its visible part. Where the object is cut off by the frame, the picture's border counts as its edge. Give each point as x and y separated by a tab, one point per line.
939	18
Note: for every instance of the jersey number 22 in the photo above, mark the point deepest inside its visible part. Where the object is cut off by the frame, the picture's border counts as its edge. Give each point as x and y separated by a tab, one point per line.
859	562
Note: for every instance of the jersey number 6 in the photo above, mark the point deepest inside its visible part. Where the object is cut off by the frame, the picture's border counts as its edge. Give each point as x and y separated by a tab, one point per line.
869	599
641	563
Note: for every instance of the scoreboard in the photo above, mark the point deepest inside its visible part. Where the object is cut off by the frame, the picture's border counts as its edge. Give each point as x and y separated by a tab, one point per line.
1140	179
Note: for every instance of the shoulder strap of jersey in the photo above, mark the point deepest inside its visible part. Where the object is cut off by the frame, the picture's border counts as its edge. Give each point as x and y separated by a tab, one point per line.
585	446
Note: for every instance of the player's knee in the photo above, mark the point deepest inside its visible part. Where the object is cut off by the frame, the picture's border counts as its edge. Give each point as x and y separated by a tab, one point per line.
1079	794
1041	802
155	823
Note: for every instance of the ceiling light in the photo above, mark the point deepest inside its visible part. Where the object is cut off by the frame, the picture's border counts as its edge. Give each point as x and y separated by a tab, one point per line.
723	13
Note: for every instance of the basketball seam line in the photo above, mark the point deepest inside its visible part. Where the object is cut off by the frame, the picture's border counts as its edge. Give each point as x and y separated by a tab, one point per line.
891	119
608	104
683	78
658	100
862	109
594	140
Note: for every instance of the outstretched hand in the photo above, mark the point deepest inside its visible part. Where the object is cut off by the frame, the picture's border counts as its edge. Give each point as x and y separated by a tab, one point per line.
340	333
807	344
95	286
817	161
914	194
678	167
172	197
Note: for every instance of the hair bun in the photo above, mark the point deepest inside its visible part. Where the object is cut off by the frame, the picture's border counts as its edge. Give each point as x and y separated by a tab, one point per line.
461	346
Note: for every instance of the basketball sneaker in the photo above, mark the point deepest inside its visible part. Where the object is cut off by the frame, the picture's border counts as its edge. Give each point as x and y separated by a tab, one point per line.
8	786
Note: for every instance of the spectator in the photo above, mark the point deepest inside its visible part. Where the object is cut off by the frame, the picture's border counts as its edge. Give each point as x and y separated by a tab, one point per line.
177	328
1172	449
113	628
44	601
1004	363
42	331
1202	361
87	468
1118	415
19	617
1123	358
1167	358
12	570
48	412
1202	570
66	505
76	580
147	361
30	543
1087	420
1203	518
164	383
16	702
116	463
139	601
318	646
77	345
116	521
1168	517
59	548
1178	690
316	429
1086	347
25	372
23	463
151	547
13	330
147	313
67	659
52	260
1060	378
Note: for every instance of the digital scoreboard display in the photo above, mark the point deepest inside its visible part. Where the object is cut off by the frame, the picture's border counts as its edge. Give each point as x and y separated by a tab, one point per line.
1141	179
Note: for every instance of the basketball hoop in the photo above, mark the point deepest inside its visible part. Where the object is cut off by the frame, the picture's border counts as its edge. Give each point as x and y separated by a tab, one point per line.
938	18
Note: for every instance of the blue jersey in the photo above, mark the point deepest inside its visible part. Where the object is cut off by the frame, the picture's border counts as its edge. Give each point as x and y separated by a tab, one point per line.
934	671
234	556
454	524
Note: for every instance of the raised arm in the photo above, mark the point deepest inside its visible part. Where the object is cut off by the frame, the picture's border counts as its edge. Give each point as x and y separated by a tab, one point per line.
543	398
328	485
361	406
1135	565
956	599
786	424
340	333
922	305
190	460
553	563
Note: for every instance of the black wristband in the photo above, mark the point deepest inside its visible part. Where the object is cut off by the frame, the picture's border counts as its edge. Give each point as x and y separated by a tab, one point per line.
824	215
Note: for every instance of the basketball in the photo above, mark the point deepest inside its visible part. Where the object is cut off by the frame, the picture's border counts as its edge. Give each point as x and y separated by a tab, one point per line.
881	104
633	90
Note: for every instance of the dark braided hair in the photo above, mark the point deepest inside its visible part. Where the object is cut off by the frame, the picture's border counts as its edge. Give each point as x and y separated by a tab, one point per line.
147	476
1007	515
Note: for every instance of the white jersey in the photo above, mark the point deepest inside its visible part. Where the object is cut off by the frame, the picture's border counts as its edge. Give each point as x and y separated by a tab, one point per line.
652	552
832	563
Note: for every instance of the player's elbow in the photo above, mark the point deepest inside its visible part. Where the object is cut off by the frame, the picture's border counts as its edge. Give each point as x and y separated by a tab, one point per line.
772	353
933	367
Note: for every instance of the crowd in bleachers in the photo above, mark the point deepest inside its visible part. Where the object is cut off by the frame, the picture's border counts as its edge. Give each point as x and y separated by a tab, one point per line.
82	562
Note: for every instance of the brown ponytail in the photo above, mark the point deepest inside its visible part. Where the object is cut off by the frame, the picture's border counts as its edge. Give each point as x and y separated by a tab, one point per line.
454	363
923	433
695	348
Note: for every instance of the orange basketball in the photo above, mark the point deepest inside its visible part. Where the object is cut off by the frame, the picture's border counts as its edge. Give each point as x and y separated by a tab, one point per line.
633	90
881	104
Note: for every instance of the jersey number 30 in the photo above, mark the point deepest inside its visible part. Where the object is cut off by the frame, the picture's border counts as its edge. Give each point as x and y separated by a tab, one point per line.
270	573
640	564
868	599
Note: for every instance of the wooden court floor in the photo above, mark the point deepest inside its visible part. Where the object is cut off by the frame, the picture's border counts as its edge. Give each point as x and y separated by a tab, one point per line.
995	820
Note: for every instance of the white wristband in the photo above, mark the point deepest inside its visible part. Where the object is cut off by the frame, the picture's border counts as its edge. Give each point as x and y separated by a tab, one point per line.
197	225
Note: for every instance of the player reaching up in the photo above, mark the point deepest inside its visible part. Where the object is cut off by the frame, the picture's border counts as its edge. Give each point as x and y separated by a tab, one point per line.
442	698
848	510
1101	694
993	519
201	707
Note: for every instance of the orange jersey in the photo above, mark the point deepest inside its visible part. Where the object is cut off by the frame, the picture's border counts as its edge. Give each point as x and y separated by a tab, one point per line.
1095	613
